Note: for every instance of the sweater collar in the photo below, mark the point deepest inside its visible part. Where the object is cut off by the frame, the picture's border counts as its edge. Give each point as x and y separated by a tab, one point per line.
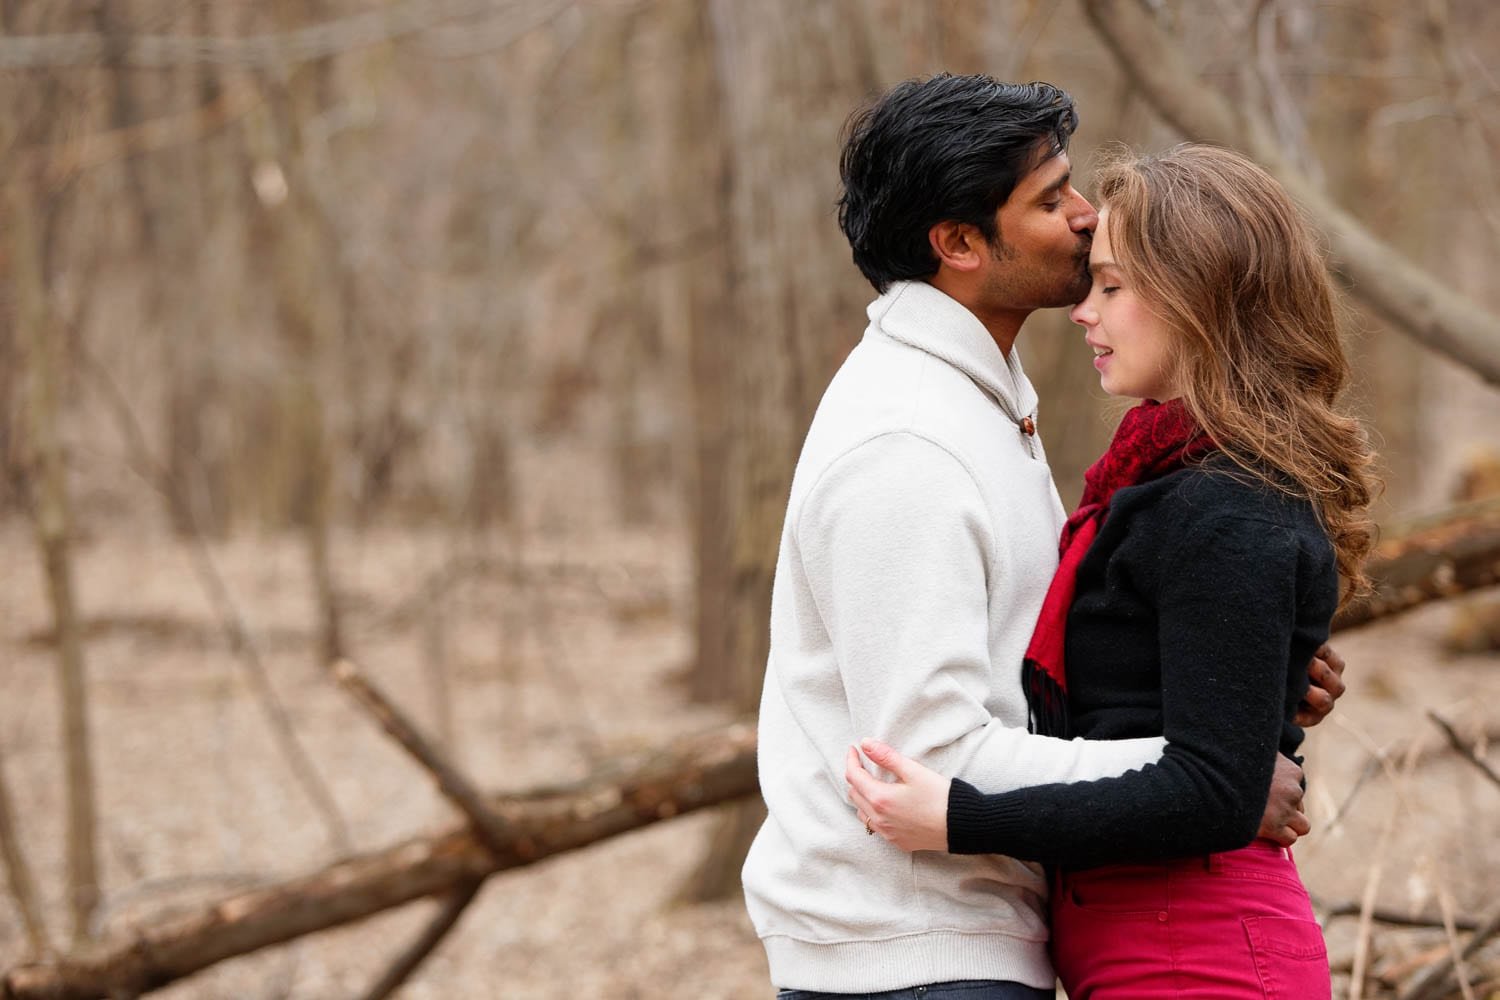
920	316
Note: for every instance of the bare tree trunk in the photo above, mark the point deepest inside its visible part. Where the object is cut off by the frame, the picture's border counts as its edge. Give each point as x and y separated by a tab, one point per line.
702	159
1343	111
791	312
311	313
50	507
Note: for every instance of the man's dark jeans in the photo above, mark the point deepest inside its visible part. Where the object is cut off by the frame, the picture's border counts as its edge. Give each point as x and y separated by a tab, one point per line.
966	989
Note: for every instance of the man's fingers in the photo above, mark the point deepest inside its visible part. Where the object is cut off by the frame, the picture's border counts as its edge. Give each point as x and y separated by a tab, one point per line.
1335	662
1314	707
1326	677
1296	827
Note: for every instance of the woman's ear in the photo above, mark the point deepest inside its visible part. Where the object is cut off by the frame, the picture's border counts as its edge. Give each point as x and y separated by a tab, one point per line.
957	245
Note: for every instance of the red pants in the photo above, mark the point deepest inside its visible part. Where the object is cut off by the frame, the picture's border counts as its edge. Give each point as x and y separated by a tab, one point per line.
1222	927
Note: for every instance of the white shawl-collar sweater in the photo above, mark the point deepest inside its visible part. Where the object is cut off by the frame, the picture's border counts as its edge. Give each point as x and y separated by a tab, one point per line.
919	540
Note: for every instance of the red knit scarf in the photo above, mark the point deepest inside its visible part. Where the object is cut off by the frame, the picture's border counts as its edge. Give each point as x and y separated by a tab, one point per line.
1152	440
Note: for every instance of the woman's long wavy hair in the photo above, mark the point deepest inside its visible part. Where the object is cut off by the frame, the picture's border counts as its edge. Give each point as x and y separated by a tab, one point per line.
1217	249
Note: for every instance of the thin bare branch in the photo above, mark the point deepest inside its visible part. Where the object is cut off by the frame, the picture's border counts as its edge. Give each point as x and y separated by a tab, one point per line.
57	164
1450	929
453	907
18	873
1377	872
1396	918
236	631
455	786
1464	750
1433	982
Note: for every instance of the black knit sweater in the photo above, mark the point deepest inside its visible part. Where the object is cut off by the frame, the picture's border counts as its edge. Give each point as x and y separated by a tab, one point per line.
1197	610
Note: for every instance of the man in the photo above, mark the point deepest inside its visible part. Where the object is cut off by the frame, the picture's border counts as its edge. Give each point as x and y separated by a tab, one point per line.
920	537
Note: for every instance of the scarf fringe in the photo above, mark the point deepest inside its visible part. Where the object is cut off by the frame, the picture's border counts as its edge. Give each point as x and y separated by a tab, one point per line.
1046	701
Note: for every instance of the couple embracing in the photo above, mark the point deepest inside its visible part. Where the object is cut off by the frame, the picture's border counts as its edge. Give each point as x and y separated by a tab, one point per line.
1075	757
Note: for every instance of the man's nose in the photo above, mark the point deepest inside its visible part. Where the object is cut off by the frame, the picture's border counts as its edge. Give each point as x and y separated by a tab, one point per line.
1084	218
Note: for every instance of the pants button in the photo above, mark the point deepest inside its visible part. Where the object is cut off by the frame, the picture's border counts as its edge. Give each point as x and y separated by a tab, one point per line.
1161	916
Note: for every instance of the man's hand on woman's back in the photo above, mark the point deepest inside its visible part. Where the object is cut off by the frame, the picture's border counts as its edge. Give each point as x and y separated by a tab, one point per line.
1326	672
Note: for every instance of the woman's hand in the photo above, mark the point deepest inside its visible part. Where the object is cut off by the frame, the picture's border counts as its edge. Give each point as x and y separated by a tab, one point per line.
912	811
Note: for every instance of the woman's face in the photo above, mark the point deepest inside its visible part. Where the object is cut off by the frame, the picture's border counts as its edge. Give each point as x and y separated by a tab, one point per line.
1132	346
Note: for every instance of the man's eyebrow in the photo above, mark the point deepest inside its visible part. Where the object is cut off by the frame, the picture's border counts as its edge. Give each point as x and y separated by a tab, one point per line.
1055	186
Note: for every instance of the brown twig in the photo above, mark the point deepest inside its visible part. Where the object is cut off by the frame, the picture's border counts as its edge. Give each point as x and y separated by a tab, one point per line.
231	622
1450	930
454	905
1377	871
488	825
1396	918
1432	982
1464	750
22	887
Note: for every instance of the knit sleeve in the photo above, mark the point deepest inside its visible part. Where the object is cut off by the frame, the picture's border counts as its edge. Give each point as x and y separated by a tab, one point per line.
900	557
1227	604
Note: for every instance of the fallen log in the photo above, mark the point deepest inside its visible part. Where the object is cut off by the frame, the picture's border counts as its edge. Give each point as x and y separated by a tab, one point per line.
689	774
1451	555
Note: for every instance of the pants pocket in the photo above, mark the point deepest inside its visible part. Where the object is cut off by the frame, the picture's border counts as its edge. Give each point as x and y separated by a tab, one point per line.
1290	956
1120	892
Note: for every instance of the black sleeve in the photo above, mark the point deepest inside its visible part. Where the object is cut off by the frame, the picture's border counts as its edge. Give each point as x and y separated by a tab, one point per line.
1227	607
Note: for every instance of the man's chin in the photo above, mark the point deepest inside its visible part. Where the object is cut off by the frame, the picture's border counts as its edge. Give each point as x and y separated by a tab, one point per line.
1070	295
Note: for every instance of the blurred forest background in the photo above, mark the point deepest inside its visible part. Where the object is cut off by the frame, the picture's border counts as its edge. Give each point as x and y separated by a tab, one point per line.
461	350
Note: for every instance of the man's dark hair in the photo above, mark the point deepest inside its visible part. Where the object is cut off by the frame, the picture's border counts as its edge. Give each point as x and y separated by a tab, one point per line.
949	148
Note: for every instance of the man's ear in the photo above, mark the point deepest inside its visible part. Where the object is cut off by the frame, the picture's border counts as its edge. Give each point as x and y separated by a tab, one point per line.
957	245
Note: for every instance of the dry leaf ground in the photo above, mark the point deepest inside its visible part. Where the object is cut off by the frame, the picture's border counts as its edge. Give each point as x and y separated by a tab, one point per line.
554	658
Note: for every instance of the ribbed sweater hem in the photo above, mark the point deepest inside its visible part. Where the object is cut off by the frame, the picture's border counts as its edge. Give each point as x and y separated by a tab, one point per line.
906	960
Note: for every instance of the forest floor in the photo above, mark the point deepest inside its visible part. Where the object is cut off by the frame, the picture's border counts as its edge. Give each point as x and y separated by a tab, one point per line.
536	666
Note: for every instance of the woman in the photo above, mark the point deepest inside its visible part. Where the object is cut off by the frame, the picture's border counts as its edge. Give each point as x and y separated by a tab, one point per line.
1196	580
